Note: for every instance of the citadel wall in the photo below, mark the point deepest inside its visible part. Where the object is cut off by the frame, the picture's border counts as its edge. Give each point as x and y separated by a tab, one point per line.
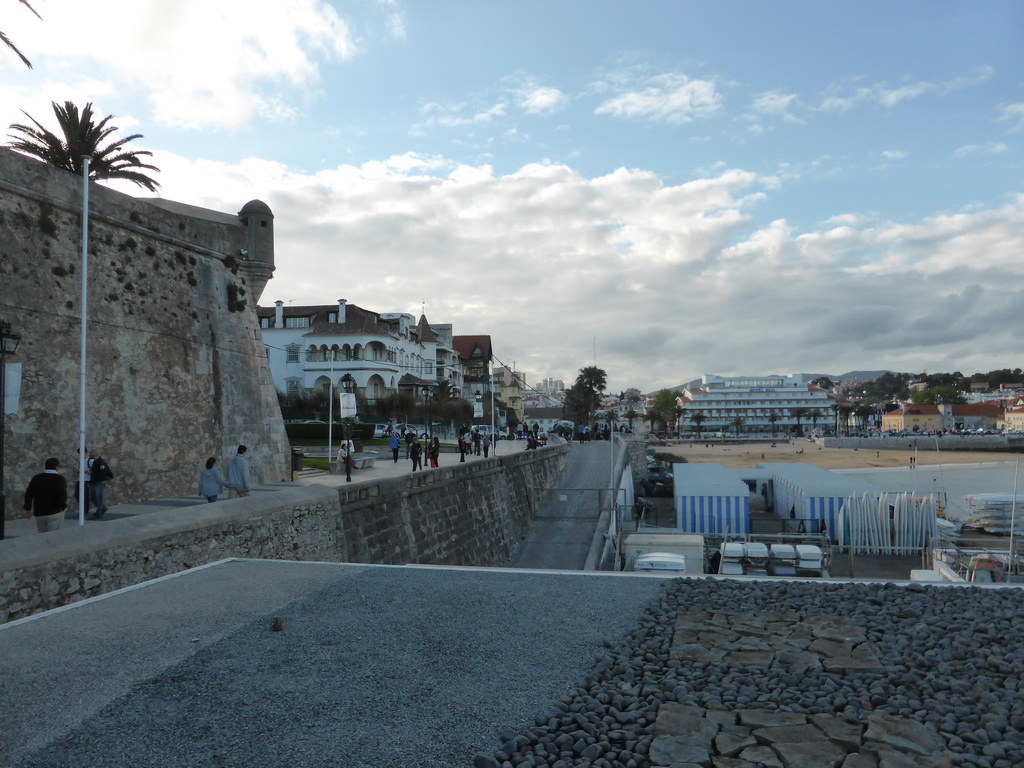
176	368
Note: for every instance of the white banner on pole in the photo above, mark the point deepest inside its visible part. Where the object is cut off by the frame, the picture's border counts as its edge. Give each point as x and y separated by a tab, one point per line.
348	405
478	410
12	385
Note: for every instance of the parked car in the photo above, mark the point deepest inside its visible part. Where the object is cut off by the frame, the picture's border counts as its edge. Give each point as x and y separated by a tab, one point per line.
487	429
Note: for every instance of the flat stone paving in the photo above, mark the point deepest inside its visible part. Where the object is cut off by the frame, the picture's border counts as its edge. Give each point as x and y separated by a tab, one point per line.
690	736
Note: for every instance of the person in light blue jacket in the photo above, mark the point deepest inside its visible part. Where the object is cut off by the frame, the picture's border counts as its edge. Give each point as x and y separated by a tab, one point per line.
210	481
396	443
239	477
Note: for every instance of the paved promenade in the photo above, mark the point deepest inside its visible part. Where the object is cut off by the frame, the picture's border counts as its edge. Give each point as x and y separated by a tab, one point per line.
383	467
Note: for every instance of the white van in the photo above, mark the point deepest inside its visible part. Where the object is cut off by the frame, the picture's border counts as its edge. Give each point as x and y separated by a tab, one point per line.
660	562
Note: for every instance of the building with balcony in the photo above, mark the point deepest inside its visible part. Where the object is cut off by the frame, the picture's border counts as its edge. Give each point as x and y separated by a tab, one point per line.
767	404
311	347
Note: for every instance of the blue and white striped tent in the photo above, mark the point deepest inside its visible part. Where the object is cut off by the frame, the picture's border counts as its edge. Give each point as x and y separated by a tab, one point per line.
711	500
808	496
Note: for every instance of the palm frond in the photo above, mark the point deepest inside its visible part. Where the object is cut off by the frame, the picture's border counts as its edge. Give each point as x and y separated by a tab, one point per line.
83	136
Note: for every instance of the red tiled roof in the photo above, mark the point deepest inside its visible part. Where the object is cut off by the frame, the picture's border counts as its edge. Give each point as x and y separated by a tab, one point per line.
465	345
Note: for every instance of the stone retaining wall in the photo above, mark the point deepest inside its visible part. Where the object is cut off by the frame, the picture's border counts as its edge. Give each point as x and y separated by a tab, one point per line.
928	443
469	514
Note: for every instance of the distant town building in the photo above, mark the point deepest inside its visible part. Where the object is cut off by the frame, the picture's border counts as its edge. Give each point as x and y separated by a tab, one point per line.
949	417
757	401
312	347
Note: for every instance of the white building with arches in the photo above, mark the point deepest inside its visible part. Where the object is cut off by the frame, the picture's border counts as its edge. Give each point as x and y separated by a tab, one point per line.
311	347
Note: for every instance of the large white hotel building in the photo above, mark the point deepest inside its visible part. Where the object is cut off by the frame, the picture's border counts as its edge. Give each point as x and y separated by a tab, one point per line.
722	398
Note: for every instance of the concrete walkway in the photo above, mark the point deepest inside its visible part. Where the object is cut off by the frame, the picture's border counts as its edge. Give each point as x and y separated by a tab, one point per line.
384	467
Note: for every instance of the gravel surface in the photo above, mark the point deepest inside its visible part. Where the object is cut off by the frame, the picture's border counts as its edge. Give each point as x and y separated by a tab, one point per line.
390	668
954	662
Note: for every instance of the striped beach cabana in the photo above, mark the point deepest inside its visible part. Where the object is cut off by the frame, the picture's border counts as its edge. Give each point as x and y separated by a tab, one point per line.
808	496
711	500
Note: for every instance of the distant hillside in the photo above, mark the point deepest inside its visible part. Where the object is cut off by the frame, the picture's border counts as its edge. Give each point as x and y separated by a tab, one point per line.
857	376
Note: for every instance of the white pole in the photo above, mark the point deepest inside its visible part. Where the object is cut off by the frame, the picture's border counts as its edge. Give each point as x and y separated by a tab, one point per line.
1013	518
82	456
330	415
490	378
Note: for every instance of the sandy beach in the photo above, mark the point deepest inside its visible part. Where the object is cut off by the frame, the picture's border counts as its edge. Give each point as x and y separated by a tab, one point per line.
742	456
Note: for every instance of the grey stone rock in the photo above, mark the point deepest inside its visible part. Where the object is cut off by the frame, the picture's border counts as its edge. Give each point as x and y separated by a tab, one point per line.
731	744
810	754
669	750
861	760
902	734
791	734
765	718
843	732
765	756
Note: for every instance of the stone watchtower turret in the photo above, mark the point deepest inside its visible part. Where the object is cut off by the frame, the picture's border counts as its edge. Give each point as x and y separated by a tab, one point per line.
257	260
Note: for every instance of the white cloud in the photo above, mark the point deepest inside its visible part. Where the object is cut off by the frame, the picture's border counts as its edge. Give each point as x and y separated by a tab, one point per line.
542	99
669	278
840	98
670	98
895	154
202	64
1012	113
991	148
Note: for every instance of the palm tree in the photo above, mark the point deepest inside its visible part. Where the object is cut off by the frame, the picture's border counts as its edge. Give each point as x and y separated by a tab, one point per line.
799	414
698	419
84	137
863	413
631	415
773	419
737	423
816	415
591	382
7	41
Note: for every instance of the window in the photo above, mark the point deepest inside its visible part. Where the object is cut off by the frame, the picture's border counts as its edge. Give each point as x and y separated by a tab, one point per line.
296	322
264	322
292	353
293	387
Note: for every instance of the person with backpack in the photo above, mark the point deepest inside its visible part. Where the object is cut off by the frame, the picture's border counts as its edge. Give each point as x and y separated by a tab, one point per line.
99	473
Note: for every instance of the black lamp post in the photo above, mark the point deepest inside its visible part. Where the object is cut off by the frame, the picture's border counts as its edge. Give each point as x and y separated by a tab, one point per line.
348	385
427	392
8	346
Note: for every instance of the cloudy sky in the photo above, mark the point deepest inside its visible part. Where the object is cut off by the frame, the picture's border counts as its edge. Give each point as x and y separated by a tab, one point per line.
663	188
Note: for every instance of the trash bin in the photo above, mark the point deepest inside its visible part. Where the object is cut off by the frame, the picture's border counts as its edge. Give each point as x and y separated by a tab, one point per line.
297	458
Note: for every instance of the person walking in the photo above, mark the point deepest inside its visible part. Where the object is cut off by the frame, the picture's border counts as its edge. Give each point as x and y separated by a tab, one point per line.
486	445
396	444
239	476
476	442
211	481
462	447
416	453
434	452
46	497
99	473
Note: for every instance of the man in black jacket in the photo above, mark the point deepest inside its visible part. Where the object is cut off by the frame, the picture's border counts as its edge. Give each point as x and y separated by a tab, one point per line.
47	497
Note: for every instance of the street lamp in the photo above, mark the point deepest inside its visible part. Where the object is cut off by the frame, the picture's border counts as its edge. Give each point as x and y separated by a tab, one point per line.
8	346
348	385
427	395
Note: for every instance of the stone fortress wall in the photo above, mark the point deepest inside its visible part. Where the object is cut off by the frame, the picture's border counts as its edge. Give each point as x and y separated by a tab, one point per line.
470	514
176	368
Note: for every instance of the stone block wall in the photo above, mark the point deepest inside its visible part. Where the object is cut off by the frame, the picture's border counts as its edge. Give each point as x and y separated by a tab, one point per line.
470	514
176	369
